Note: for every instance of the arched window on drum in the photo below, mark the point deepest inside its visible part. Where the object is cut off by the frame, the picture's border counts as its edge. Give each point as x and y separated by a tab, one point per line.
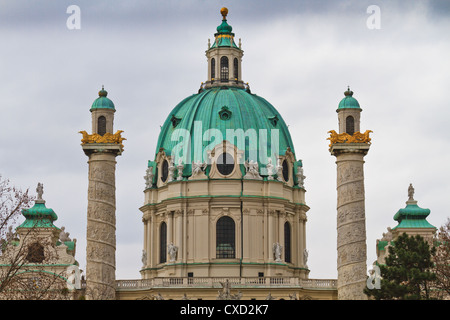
225	238
163	243
224	69
350	125
101	125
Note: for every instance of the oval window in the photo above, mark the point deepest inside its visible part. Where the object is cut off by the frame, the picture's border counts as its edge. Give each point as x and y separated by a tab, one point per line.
285	171
225	164
164	171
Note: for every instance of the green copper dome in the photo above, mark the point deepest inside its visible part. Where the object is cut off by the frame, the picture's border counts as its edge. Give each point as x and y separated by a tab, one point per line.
349	102
102	102
412	216
221	112
224	27
39	216
224	37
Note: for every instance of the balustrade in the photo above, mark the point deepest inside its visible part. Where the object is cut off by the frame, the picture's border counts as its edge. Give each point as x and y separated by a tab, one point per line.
234	281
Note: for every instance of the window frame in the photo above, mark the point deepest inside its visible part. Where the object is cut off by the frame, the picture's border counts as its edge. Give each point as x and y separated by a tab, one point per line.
101	125
163	242
287	242
164	170
213	69
225	169
350	125
225	238
224	69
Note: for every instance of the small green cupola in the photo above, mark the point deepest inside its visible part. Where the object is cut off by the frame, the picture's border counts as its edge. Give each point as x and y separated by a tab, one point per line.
348	102
39	216
412	216
102	102
349	113
102	113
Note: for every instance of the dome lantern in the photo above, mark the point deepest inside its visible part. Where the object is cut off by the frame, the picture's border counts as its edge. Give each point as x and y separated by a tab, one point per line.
224	57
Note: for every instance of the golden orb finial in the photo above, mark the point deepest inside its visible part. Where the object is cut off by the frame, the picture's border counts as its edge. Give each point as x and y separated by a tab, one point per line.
224	12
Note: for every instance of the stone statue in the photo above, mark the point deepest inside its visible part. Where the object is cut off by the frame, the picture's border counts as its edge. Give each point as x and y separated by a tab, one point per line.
180	168
252	172
388	235
40	191
410	192
269	297
158	297
149	177
225	294
63	235
173	250
279	170
300	177
198	168
236	296
305	257
226	286
171	171
277	249
269	168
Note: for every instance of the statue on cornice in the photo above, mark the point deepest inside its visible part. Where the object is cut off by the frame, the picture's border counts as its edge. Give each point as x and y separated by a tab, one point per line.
411	192
252	171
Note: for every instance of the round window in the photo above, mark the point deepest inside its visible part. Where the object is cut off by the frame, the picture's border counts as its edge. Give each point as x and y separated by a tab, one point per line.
225	164
285	171
164	171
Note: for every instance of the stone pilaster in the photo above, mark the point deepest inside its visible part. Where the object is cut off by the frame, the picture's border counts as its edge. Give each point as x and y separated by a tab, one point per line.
351	223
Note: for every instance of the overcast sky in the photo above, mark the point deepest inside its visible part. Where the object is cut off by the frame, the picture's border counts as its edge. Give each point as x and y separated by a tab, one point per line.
299	55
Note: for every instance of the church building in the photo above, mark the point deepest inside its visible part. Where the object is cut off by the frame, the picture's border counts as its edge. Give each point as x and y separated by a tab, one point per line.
225	213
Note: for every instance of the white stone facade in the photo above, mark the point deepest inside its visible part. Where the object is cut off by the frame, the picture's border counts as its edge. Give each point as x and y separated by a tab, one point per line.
261	211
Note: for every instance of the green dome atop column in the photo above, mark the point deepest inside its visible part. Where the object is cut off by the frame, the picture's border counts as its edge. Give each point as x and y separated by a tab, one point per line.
348	102
102	102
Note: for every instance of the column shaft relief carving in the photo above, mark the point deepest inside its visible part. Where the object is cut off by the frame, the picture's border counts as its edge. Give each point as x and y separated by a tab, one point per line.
351	229
101	230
